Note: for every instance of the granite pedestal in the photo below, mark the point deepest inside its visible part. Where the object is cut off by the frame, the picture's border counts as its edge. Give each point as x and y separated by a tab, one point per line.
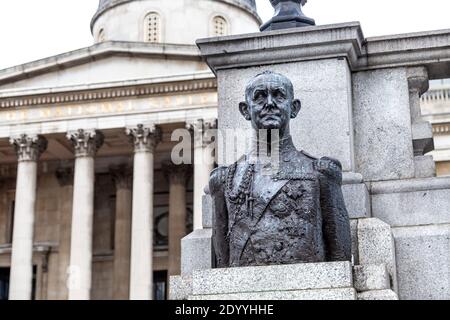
360	104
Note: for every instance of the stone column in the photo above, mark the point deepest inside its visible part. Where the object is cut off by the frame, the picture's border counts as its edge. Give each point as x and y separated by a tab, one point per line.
203	162
123	179
65	179
28	149
178	176
86	144
145	140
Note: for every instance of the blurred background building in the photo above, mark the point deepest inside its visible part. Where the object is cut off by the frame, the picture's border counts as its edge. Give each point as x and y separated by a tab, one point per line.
436	109
143	69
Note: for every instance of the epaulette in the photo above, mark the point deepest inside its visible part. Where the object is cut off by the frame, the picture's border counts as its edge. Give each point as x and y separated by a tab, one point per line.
330	167
217	179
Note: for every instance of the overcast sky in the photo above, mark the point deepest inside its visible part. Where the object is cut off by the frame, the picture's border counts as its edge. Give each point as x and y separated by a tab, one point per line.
34	29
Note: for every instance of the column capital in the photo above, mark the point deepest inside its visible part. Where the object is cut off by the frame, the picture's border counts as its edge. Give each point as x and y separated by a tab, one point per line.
86	142
122	176
144	138
29	147
177	174
201	124
64	176
201	129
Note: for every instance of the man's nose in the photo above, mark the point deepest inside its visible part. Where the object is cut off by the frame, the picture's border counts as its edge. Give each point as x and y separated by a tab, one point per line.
270	101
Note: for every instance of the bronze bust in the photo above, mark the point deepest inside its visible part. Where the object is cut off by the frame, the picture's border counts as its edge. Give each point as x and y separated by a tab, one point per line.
295	215
288	14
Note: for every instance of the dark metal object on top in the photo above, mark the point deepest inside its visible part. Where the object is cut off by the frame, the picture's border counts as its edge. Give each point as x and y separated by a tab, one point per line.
293	212
288	14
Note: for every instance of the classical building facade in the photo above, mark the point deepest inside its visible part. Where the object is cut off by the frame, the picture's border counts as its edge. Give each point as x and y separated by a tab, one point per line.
436	109
90	205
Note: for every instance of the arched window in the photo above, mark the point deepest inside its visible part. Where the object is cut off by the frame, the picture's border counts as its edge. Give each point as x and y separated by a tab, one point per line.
101	35
152	28
220	26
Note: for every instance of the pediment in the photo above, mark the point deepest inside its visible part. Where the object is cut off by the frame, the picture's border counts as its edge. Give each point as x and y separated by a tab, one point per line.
102	63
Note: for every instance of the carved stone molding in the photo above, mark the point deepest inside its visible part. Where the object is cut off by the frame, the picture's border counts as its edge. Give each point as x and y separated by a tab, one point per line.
202	131
122	176
441	128
418	81
144	138
111	93
64	176
29	147
177	174
86	142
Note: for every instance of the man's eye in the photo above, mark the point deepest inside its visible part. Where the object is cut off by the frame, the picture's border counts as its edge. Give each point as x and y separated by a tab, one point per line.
279	94
260	95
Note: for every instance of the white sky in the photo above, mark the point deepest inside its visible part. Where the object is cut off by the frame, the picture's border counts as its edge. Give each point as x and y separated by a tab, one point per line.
35	29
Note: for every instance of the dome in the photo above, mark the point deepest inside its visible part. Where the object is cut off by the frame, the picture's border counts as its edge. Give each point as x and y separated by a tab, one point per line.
104	5
174	21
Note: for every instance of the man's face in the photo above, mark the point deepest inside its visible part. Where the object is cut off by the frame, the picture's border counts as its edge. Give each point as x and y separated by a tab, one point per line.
270	103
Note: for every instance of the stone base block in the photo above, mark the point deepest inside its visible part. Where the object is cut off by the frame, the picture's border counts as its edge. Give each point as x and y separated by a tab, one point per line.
425	167
423	262
376	246
196	251
378	295
308	281
321	294
273	278
312	281
371	277
357	200
412	202
180	287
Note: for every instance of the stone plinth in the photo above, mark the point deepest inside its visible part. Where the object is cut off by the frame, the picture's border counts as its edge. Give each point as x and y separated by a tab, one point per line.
309	281
196	251
360	104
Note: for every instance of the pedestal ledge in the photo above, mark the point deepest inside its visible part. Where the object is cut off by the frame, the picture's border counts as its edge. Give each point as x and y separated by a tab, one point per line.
378	295
320	294
272	281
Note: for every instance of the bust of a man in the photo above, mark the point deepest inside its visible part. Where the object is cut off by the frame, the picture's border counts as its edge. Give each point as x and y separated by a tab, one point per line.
297	213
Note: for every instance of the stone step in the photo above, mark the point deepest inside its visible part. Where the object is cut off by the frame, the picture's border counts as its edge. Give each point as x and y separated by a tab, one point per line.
329	275
318	294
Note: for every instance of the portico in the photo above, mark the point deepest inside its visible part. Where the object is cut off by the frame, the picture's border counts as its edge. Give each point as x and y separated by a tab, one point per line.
100	200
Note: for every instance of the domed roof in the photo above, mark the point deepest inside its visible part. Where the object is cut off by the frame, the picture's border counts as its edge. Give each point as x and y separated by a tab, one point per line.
104	5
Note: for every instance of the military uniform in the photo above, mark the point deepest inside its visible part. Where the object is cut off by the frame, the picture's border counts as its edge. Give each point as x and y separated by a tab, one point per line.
296	215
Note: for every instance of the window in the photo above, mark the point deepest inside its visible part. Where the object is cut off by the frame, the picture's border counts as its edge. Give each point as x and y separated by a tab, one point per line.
220	26
159	285
10	229
153	27
4	283
101	35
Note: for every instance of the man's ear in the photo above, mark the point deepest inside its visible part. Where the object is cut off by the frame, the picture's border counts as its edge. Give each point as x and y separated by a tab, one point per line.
296	106
243	108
